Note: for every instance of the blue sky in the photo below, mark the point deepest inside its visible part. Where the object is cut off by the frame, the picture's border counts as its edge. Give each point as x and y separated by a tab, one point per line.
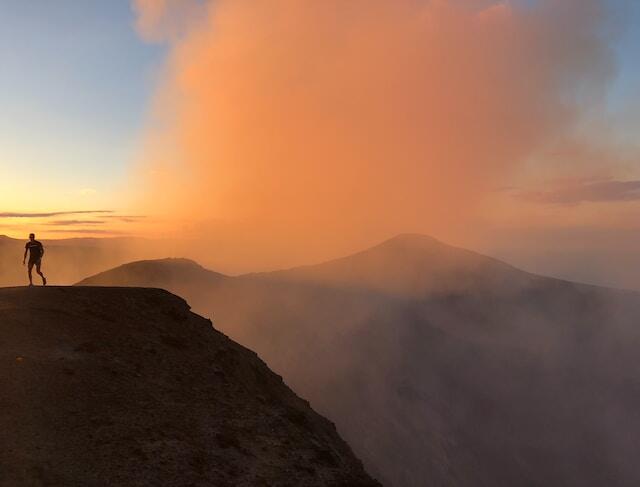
624	97
75	82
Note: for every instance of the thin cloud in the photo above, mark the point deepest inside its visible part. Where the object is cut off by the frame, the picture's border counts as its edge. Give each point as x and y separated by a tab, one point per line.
126	218
8	214
75	222
587	192
89	231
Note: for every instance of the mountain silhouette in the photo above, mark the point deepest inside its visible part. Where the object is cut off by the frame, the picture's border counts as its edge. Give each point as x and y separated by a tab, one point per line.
441	366
410	265
108	386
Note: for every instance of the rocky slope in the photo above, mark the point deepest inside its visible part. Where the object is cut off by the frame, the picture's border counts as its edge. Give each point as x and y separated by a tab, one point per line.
108	386
441	366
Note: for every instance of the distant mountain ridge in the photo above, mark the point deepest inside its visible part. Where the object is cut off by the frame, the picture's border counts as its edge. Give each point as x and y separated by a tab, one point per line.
410	264
441	366
161	271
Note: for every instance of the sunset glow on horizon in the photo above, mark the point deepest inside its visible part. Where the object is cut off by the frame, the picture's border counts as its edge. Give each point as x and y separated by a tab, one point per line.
288	132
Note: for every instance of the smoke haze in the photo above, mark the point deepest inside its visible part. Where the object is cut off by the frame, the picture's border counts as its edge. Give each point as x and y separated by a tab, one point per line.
307	129
438	365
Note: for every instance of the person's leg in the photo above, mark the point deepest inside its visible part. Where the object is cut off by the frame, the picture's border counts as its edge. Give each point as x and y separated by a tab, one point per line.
29	271
44	279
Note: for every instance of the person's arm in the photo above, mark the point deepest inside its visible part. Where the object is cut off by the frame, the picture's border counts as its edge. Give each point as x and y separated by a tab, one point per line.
41	250
26	249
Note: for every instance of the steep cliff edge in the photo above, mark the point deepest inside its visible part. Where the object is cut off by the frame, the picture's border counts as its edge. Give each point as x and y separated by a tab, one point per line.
125	386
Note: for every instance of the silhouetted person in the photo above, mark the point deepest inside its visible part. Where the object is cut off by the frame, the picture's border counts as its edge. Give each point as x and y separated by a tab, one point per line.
36	251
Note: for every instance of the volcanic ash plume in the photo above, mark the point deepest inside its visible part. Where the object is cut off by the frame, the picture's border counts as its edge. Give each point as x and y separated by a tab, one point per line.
322	125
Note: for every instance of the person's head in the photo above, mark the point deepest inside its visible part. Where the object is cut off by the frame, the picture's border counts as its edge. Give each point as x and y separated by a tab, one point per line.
32	236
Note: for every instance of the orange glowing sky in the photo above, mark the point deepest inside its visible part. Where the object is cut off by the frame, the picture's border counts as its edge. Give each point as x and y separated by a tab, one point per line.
325	123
